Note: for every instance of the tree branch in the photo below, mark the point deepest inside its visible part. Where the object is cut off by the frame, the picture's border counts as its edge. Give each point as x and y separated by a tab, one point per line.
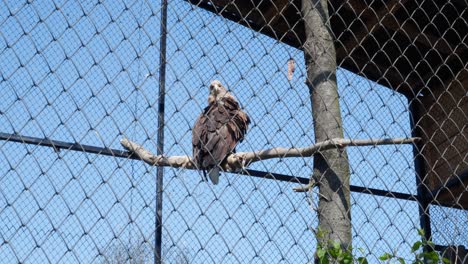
240	160
157	160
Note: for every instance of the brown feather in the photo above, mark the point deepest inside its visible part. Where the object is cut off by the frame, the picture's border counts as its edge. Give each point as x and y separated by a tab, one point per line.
218	130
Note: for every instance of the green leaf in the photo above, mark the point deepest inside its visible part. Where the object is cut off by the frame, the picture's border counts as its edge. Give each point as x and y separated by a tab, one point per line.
320	233
324	261
445	260
336	245
401	260
362	260
335	253
416	246
432	256
386	256
346	257
361	250
421	232
321	253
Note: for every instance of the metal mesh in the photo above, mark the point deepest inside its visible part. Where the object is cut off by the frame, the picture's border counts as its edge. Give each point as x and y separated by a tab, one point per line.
78	76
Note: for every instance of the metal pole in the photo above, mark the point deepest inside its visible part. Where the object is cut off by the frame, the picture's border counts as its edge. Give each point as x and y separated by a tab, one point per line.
160	150
423	193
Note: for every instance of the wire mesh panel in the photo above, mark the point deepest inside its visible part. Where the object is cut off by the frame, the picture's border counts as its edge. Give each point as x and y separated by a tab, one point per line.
79	76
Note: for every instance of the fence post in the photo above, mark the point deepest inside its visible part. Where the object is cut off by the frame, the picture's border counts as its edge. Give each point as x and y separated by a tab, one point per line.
420	170
160	150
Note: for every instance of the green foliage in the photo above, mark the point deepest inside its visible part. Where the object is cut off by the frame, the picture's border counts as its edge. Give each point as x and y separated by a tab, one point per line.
332	252
430	255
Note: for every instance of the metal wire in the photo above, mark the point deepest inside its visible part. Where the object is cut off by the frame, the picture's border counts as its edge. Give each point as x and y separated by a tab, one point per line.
77	77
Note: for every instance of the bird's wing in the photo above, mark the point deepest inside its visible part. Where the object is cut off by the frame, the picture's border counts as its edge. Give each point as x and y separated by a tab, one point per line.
218	138
198	130
239	120
217	131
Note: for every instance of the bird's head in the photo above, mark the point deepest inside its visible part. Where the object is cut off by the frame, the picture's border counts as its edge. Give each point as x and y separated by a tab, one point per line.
217	92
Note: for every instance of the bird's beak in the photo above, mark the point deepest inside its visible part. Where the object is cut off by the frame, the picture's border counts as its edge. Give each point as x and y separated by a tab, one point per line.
212	89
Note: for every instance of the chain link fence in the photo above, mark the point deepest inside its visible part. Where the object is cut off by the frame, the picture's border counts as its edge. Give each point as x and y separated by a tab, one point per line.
78	76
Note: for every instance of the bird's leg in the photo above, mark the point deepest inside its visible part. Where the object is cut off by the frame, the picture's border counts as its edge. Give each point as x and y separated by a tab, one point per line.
243	164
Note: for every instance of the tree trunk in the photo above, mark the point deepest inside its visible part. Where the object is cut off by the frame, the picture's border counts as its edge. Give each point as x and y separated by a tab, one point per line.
331	167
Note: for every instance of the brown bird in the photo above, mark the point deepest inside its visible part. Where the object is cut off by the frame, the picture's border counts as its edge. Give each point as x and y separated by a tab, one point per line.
217	131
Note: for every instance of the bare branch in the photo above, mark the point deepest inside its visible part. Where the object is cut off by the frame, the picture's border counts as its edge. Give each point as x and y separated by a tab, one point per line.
279	152
305	188
157	160
239	160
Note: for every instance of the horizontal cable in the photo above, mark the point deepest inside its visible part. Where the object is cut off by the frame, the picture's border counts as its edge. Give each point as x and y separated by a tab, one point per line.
57	145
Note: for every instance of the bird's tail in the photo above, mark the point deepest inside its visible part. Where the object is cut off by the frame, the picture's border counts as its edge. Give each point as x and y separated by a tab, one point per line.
214	175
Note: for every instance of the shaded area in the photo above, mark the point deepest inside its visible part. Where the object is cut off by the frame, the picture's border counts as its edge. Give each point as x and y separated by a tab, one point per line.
417	49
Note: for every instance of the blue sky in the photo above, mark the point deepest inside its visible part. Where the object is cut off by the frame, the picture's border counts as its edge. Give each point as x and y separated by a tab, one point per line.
88	73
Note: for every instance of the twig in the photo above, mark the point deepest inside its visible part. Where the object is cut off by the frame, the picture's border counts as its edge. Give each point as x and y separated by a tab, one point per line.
310	187
305	188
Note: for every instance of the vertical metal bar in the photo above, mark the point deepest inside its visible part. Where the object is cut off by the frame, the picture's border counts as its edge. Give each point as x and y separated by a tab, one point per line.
160	150
420	169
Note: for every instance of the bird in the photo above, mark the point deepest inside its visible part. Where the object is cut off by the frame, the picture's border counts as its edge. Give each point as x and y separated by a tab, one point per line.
217	131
